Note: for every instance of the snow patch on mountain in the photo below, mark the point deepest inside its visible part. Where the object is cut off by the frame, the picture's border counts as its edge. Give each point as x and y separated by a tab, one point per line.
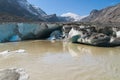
39	10
72	16
31	8
26	5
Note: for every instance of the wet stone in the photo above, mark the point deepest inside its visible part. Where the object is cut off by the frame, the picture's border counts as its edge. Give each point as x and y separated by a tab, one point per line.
9	75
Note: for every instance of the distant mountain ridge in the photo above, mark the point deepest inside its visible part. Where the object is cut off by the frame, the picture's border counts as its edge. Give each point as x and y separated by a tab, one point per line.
22	10
109	14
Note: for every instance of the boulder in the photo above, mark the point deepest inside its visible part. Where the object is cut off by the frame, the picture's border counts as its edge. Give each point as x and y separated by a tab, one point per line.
99	39
115	41
13	74
9	75
86	36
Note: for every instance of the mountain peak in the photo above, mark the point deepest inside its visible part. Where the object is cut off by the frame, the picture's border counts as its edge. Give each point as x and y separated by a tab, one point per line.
69	14
73	16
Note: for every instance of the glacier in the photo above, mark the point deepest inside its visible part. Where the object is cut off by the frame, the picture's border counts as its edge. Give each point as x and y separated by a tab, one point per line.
10	32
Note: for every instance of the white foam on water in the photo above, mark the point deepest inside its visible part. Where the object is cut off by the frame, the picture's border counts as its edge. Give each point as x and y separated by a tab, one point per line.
4	52
8	52
20	51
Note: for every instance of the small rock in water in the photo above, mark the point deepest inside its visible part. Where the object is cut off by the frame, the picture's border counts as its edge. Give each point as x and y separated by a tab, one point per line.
23	74
7	52
13	74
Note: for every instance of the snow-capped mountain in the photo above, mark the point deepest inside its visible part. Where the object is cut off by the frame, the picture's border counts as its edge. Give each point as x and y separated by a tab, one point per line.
23	8
72	16
31	8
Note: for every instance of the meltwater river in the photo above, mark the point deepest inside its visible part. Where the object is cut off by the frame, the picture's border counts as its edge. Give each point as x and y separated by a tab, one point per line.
45	60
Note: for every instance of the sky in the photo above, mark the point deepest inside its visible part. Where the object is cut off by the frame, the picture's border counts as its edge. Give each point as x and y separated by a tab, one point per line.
80	7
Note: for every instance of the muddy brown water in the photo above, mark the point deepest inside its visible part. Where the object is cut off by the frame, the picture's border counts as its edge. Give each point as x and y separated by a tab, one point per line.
46	60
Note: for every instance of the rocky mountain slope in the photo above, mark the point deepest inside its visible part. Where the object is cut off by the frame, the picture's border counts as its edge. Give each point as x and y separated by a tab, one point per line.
109	14
22	9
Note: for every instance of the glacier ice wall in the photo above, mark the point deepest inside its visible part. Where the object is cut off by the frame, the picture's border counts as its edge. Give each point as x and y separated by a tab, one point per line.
26	31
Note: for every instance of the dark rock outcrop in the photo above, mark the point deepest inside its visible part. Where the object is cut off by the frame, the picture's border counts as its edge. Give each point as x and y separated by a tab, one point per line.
51	18
92	35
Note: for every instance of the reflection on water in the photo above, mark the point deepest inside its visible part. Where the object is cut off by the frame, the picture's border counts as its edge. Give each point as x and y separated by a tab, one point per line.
47	60
79	50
